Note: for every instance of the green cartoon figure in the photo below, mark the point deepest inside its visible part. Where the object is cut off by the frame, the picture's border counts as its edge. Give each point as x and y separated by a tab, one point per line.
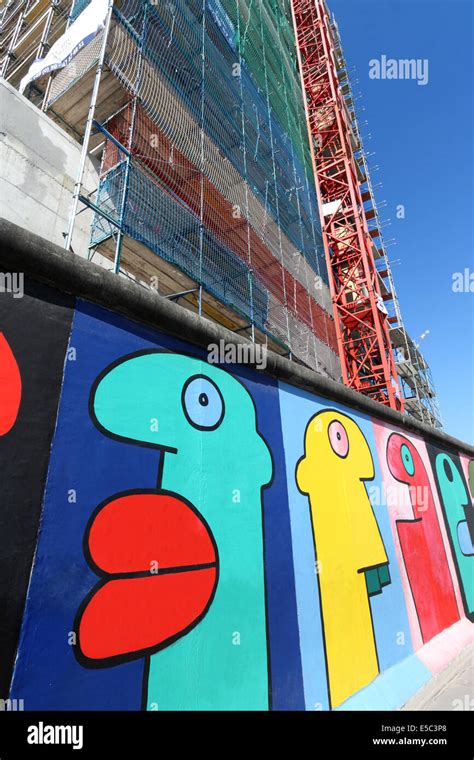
182	567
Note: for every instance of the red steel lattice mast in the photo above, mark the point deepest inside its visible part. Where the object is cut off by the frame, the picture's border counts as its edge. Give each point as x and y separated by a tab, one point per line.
361	319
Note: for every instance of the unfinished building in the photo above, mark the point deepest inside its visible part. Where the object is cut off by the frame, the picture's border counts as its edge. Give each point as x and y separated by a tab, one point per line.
198	175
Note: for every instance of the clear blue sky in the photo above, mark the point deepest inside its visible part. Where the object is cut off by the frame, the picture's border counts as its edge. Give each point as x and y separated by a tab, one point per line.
422	137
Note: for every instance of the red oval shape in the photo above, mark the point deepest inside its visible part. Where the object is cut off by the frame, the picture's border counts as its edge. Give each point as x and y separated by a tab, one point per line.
10	387
145	532
127	618
160	565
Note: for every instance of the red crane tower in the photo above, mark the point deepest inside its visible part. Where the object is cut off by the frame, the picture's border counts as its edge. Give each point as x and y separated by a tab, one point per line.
361	319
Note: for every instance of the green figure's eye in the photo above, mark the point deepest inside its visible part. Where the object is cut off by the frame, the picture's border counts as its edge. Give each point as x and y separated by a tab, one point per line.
448	470
407	459
202	402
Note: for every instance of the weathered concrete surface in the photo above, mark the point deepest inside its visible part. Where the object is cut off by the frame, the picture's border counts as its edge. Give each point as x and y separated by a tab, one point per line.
39	162
23	251
452	689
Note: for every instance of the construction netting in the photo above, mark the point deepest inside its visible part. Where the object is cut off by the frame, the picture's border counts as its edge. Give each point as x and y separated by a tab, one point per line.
154	218
28	29
216	174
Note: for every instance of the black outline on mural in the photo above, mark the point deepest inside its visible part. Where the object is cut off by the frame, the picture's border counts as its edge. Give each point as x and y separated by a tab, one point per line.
108	577
364	481
406	440
382	585
186	413
162	451
341	456
433	453
405	519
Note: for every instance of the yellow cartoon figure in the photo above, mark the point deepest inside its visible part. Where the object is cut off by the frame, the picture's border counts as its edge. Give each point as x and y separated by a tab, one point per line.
352	562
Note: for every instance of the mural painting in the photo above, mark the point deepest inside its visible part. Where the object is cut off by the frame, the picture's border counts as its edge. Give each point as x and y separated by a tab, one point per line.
214	539
205	544
353	563
34	333
456	500
10	384
421	542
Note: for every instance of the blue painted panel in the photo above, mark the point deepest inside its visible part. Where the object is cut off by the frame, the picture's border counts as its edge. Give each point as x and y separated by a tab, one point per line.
390	620
87	467
392	689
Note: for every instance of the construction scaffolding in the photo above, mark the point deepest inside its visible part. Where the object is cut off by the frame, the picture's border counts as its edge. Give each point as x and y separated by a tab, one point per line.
206	181
28	28
194	115
377	356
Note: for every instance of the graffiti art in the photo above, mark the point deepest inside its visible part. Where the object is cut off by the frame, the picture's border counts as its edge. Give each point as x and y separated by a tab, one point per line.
352	561
34	334
214	539
456	501
421	542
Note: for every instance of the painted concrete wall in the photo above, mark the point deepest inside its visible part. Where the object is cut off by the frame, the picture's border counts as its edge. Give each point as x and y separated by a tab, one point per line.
214	537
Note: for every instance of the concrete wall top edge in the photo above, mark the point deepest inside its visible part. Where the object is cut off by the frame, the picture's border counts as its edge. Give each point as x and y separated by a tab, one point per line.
8	91
23	251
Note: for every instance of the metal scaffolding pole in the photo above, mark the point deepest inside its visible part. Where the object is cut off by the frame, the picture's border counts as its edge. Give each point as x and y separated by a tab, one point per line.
201	140
244	150
119	241
275	185
88	130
